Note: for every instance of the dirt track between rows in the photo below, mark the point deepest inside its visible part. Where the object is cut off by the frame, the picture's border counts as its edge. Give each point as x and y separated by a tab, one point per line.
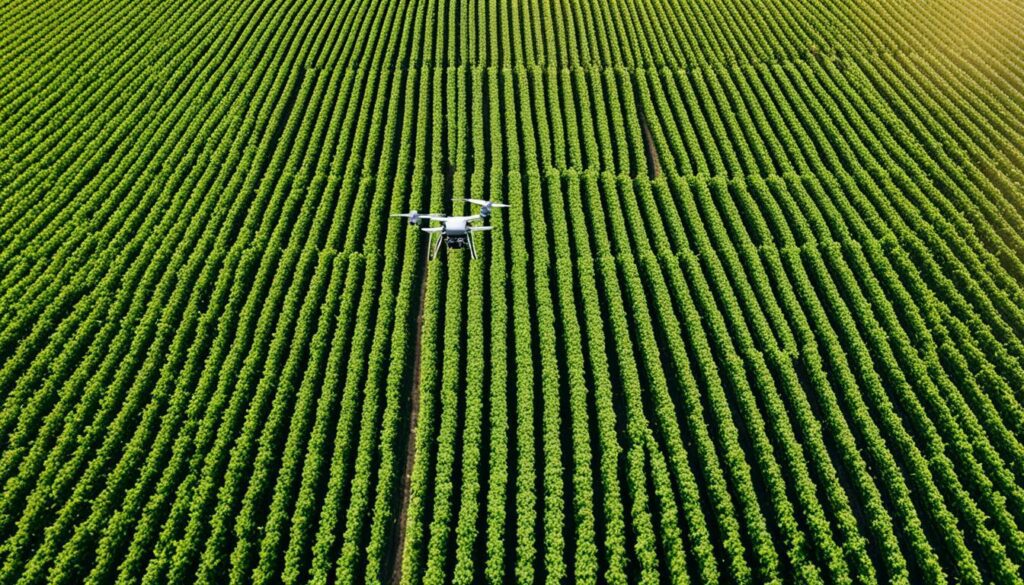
410	446
654	164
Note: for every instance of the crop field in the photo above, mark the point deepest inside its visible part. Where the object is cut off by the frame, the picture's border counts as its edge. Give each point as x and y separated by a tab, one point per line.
755	315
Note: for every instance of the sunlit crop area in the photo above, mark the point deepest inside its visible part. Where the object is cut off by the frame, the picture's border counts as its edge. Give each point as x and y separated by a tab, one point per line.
755	314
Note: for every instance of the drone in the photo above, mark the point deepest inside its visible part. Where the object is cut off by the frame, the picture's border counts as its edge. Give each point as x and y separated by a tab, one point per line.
455	231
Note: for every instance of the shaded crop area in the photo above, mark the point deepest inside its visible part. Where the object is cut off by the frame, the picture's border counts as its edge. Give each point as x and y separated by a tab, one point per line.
756	313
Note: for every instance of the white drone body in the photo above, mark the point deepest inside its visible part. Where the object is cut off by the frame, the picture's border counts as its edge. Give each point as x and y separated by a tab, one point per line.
456	232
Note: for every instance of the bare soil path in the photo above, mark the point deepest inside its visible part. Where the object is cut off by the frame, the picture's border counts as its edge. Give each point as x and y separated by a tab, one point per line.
410	445
654	165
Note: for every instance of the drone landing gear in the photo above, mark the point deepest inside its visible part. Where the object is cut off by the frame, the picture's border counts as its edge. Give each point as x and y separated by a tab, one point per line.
434	248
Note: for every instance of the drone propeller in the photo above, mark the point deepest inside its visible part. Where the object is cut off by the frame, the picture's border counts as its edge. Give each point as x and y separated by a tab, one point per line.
415	216
483	203
485	206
